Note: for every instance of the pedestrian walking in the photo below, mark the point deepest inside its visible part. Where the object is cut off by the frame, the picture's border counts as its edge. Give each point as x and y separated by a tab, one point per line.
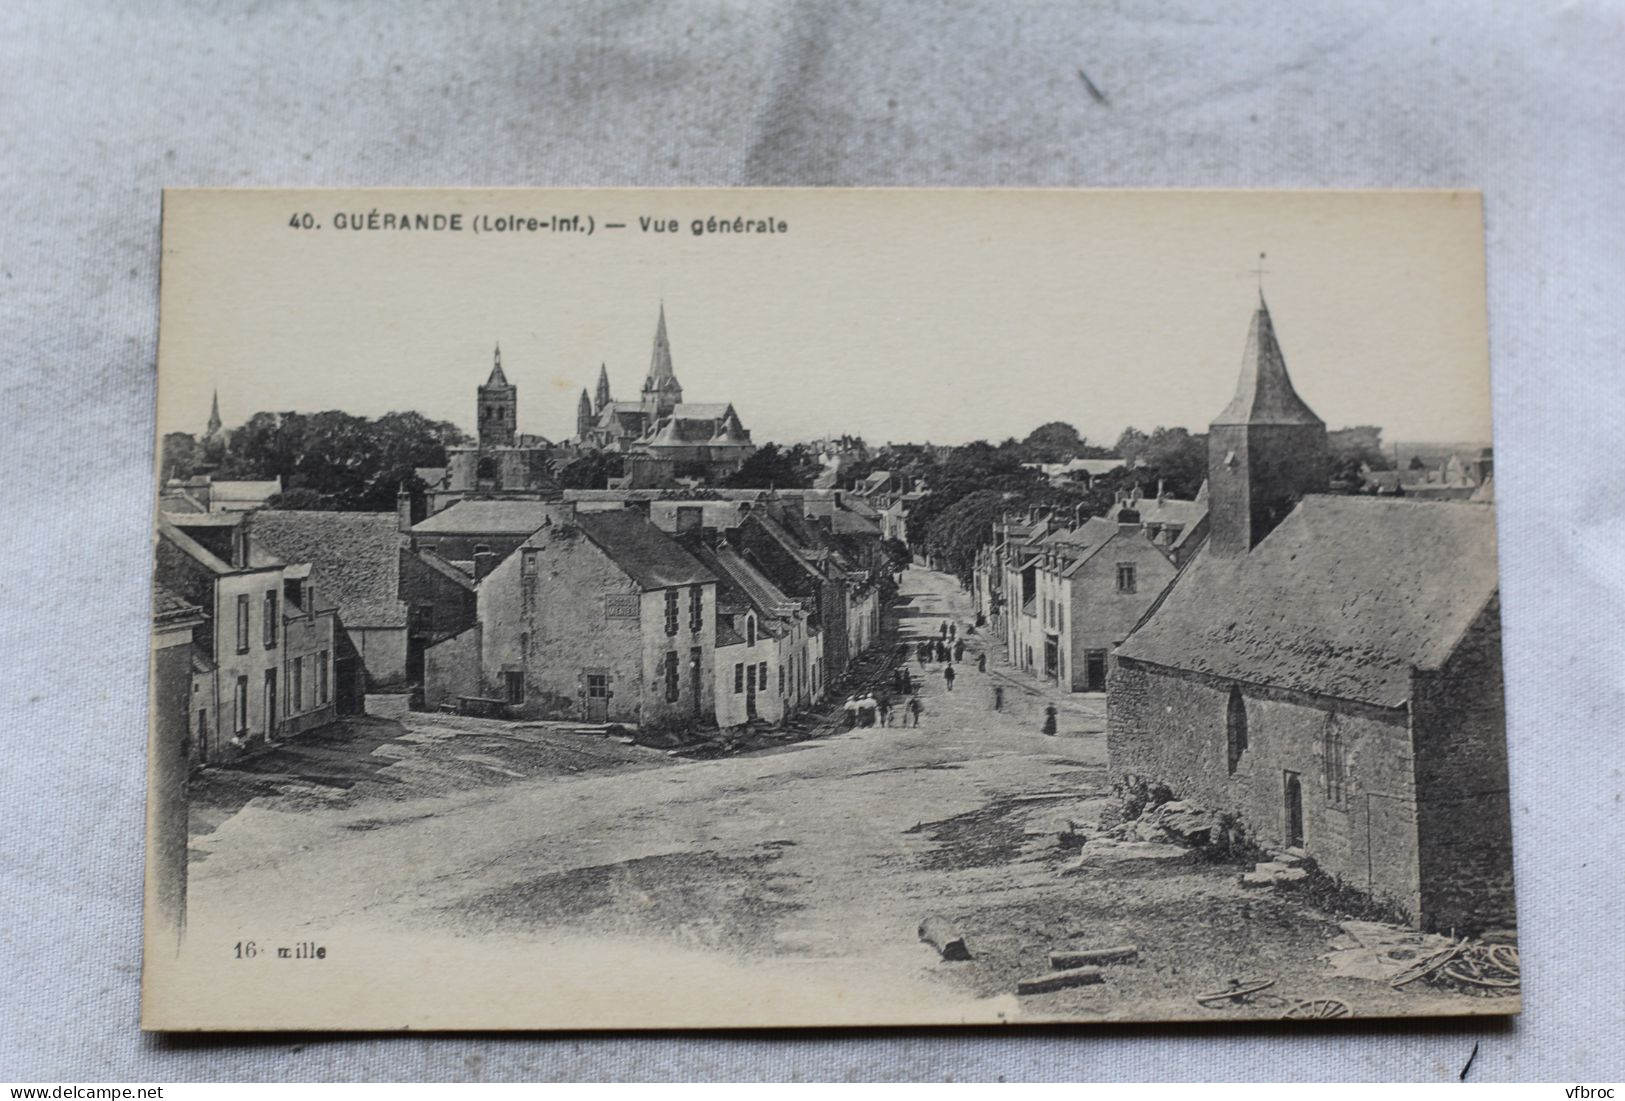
942	651
953	632
923	652
851	709
1049	719
948	677
905	683
981	662
959	650
868	707
945	630
914	710
885	711
998	697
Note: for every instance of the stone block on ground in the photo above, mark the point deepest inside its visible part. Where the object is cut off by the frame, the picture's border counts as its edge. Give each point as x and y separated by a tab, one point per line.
1060	980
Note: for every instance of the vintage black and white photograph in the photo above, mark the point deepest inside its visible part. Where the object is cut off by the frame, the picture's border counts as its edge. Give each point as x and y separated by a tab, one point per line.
761	608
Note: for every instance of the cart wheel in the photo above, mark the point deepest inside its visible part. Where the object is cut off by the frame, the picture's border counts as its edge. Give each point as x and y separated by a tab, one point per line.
1318	1009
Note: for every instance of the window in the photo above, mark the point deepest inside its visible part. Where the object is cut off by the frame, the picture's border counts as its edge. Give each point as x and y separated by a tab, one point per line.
1125	577
739	678
240	718
1336	765
750	630
598	686
673	687
242	623
296	687
671	611
482	548
321	677
781	680
527	563
696	608
750	677
761	676
1235	724
270	619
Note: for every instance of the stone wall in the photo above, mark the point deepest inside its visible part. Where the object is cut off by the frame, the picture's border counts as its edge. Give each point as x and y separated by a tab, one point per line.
452	668
1461	765
1172	726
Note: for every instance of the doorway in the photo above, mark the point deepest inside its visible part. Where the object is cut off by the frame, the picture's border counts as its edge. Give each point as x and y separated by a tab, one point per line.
1094	671
1293	790
1052	659
750	691
696	660
270	703
597	697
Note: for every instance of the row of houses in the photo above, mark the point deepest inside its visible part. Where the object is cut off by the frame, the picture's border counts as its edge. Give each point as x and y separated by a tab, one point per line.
1325	670
627	607
614	606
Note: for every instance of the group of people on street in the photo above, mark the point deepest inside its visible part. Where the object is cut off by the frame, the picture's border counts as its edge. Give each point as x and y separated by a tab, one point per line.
871	710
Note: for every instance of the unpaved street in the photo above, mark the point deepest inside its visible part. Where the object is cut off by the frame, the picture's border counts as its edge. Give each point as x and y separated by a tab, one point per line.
824	853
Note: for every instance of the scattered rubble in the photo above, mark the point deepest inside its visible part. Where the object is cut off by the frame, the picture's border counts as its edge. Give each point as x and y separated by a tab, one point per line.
1060	980
940	934
1066	959
1180	822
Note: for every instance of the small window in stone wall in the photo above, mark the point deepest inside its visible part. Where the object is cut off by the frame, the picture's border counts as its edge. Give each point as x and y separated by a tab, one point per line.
1335	763
671	611
1236	727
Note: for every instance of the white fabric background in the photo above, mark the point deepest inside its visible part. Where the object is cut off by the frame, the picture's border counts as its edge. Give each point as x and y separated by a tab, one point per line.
101	104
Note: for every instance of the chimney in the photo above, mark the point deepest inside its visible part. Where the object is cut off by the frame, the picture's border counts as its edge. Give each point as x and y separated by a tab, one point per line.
564	515
1128	521
483	563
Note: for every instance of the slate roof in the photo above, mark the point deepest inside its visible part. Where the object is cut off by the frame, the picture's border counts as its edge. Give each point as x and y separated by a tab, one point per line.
354	559
169	607
648	555
767	597
1264	393
243	492
1341	600
486	518
193	549
701	410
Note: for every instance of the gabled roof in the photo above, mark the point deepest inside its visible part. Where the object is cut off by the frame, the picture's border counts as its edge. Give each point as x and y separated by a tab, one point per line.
1341	600
701	410
354	559
1264	393
486	518
648	555
767	598
194	550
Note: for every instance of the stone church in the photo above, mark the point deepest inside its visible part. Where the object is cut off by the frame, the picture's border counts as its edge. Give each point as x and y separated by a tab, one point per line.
663	436
1327	669
502	464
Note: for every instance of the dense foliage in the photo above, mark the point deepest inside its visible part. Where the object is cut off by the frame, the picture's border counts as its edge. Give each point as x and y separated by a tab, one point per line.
325	460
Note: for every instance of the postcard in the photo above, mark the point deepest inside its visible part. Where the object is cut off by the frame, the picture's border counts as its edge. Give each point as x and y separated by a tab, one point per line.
624	609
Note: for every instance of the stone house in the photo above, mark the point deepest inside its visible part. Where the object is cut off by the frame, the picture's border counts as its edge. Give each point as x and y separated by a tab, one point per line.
1328	669
1082	591
765	648
599	617
355	567
263	659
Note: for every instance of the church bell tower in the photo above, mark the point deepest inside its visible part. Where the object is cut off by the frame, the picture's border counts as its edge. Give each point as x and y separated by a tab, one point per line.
498	412
1265	450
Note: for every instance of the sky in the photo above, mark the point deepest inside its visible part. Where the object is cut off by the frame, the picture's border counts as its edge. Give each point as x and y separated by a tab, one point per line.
892	314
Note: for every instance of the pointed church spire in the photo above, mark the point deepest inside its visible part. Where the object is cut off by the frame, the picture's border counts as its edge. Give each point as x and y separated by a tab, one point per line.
497	377
661	388
1264	392
214	415
660	360
583	415
602	398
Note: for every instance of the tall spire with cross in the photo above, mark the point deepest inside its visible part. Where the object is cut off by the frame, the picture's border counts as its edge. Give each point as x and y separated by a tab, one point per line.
1265	450
602	398
661	389
214	416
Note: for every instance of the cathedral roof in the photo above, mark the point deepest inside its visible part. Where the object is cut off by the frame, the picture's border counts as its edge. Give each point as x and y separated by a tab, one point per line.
1264	393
